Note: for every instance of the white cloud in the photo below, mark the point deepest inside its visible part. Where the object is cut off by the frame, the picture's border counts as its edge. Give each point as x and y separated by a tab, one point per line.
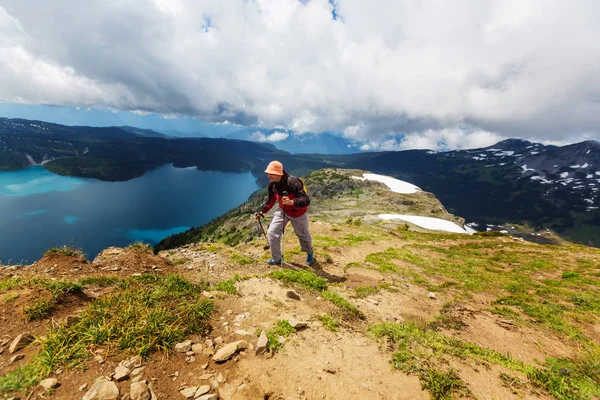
516	68
273	137
441	139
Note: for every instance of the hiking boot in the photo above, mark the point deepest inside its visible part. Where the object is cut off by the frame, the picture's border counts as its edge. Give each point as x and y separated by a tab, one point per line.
310	258
273	262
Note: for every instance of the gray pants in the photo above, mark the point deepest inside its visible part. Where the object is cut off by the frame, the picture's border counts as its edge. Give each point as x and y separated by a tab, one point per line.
300	225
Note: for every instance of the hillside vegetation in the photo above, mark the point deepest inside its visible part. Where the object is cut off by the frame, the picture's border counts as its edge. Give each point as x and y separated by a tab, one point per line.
389	311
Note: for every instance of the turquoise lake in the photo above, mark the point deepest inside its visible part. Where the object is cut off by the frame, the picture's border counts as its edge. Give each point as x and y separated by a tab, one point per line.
40	210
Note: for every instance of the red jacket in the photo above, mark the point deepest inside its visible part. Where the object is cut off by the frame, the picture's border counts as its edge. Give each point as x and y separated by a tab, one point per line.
295	190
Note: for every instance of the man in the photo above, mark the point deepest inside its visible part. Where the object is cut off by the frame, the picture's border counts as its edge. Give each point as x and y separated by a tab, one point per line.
293	201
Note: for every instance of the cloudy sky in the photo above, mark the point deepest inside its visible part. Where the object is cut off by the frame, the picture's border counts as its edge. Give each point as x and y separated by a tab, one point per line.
444	74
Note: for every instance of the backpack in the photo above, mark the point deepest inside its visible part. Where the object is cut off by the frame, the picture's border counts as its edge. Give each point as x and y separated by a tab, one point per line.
304	189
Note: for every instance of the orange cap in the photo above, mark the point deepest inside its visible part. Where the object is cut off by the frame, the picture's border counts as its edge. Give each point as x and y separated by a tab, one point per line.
275	168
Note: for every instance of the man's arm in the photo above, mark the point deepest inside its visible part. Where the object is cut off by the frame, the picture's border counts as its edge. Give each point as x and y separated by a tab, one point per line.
270	200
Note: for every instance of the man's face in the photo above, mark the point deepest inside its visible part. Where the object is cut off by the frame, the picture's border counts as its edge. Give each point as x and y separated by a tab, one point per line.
274	178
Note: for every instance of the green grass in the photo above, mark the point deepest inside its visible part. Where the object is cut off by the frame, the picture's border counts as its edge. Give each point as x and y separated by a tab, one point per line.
144	314
140	246
570	275
546	312
39	309
443	384
180	261
330	323
282	328
365	291
227	286
15	282
384	260
447	318
345	306
426	352
310	280
241	259
65	250
7	298
325	242
304	278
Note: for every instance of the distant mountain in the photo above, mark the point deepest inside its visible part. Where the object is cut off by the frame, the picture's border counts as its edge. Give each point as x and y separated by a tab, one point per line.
143	132
286	140
512	181
119	154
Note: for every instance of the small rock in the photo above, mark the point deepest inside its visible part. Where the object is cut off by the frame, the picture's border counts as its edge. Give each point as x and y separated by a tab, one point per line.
207	294
205	376
202	390
189	392
108	391
218	341
293	295
183	346
121	373
226	392
99	359
227	351
208	397
431	295
197	348
242	332
132	362
15	358
83	387
263	341
140	391
138	371
49	383
93	392
20	341
297	325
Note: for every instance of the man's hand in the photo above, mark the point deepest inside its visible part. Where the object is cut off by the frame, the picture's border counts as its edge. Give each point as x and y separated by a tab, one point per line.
286	201
258	216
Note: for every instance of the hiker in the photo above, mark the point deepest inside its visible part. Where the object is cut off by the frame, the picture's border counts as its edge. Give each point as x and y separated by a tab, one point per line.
295	205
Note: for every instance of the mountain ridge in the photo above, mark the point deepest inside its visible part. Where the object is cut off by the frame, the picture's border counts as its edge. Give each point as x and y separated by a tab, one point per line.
515	182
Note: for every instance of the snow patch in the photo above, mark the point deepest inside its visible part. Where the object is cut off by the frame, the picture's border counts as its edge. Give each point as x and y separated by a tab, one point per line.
434	224
525	169
541	179
394	184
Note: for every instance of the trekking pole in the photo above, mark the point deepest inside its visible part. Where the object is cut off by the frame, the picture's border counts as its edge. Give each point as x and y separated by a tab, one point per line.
259	215
283	231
